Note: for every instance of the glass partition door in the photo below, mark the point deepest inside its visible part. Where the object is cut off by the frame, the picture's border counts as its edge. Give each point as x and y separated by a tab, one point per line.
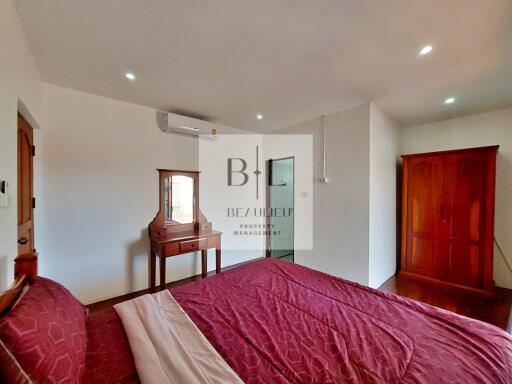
280	208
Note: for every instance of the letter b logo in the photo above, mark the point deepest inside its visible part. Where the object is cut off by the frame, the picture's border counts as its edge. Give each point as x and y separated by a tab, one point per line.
240	171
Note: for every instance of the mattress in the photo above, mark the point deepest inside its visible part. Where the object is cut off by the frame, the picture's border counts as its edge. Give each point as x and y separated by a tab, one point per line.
277	322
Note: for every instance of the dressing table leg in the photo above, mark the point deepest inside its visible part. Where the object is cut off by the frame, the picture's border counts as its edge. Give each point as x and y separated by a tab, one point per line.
217	260
162	273
152	271
204	263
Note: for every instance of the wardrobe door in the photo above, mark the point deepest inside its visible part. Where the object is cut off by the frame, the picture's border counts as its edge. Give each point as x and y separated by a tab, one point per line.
424	182
463	218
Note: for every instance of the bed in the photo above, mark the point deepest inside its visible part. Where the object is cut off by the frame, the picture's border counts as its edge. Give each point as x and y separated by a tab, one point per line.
277	322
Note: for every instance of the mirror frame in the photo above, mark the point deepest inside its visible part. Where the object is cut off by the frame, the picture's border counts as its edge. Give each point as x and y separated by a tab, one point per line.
161	222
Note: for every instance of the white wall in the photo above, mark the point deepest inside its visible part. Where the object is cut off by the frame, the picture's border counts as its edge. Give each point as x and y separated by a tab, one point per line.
341	208
101	192
385	146
20	88
473	131
354	230
100	185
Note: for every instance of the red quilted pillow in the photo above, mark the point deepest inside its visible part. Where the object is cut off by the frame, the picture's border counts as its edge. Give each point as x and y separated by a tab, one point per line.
46	334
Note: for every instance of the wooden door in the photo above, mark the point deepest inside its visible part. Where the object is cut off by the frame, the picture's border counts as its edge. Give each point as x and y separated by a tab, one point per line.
463	218
423	186
25	187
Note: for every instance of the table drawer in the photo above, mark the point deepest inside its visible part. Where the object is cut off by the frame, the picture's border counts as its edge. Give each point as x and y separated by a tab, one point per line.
193	245
170	249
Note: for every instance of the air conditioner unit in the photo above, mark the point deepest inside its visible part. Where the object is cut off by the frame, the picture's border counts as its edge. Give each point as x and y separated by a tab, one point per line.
187	126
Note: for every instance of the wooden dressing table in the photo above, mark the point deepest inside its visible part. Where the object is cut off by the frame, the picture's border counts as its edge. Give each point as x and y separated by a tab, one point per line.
180	227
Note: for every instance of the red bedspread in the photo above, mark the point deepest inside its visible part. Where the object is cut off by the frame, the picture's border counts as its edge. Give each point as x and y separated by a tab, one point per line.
109	358
277	322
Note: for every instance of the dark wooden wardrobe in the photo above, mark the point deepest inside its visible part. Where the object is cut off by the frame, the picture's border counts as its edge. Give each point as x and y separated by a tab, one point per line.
448	217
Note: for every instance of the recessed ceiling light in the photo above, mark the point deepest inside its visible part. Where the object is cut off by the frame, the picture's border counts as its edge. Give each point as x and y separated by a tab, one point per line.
425	50
130	76
259	116
450	100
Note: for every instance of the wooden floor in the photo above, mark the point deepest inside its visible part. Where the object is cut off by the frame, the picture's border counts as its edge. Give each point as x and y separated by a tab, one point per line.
494	310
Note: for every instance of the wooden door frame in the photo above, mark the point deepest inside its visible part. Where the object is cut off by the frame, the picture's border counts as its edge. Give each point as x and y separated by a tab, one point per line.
268	163
25	121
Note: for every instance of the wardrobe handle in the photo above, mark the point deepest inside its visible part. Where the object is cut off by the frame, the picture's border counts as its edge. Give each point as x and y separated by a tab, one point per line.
444	211
447	211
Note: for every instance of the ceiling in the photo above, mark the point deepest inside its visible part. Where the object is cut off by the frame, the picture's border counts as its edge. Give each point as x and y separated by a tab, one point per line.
291	60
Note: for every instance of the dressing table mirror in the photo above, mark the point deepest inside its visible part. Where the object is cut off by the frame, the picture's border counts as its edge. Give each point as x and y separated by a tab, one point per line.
179	226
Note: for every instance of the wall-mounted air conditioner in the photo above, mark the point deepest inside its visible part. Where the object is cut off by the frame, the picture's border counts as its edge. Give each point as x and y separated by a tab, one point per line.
187	126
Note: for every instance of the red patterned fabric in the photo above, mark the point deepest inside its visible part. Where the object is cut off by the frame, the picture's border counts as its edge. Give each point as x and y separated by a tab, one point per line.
277	322
10	370
46	333
109	359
